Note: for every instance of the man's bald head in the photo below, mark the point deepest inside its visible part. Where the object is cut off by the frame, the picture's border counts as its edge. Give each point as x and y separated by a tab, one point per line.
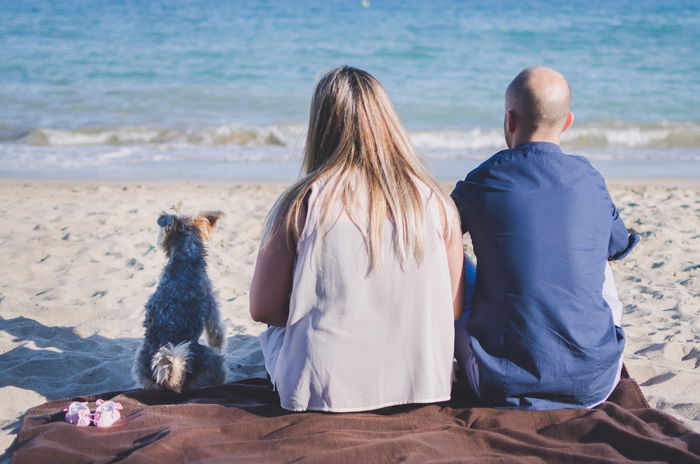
540	98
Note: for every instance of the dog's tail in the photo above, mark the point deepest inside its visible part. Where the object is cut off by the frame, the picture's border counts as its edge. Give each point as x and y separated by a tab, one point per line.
170	365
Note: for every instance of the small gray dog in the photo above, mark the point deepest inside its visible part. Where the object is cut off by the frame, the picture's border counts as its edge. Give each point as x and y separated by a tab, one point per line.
182	307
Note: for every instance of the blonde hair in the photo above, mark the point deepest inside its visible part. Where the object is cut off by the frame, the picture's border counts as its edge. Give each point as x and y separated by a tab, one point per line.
354	129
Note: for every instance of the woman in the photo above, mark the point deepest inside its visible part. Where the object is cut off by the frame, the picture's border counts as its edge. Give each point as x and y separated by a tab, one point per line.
360	264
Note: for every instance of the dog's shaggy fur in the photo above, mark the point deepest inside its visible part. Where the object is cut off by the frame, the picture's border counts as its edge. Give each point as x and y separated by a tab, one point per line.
182	307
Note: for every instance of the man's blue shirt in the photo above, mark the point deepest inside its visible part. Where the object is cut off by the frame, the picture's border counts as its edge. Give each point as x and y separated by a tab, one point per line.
543	225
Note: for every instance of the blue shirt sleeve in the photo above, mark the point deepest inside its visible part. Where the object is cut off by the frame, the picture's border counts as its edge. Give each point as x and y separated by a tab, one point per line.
621	240
461	206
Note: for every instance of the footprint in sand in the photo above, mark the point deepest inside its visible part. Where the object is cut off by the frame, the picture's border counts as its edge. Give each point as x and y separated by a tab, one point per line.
658	379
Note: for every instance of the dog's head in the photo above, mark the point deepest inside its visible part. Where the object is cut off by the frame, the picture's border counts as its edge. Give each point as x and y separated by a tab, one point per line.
185	231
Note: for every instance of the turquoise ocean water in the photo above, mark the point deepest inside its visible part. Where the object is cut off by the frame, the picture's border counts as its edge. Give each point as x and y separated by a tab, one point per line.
220	89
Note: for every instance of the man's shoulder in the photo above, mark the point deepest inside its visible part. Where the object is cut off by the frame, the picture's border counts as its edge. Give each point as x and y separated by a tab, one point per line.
478	173
581	160
582	164
495	160
524	158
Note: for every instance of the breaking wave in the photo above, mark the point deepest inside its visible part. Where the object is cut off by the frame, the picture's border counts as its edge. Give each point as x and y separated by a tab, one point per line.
684	134
661	135
282	135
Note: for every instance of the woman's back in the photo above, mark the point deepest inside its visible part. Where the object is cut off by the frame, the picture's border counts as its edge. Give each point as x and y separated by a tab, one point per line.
360	266
360	340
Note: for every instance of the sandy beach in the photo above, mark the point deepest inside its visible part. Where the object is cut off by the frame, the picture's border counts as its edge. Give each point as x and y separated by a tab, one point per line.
79	262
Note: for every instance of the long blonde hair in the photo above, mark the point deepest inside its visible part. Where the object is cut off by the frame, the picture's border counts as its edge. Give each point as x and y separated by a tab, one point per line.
354	129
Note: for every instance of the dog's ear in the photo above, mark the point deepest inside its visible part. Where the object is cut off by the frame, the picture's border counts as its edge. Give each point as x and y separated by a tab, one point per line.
167	224
166	221
211	216
205	222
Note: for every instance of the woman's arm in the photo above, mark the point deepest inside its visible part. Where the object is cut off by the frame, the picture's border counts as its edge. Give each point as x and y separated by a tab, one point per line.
455	261
272	279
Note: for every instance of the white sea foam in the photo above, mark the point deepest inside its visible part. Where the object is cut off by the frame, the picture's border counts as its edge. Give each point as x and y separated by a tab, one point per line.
280	135
470	139
126	148
598	135
623	135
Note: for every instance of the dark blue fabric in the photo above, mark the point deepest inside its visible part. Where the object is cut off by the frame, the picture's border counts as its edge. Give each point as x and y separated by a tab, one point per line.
542	224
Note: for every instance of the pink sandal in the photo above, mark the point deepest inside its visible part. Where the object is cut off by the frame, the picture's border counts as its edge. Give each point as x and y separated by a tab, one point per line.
107	413
78	414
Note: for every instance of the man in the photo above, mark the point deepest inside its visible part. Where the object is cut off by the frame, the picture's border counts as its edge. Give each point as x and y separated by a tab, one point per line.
540	334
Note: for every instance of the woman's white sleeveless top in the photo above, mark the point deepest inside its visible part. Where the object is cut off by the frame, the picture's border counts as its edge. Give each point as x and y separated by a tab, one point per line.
356	341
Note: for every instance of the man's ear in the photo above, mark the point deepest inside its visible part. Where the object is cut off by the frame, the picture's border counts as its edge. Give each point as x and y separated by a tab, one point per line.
569	121
510	121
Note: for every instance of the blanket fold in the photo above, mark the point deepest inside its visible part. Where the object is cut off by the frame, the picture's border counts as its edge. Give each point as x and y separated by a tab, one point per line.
243	422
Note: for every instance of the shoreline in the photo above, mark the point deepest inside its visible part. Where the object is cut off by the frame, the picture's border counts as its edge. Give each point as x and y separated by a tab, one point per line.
613	181
288	170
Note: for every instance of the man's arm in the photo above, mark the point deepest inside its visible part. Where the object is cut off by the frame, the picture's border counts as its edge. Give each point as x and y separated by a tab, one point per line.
460	204
621	240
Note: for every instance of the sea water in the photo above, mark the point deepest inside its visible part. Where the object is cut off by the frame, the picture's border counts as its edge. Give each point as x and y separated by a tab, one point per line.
204	89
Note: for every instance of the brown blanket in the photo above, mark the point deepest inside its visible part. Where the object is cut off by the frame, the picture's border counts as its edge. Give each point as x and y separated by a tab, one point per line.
242	422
